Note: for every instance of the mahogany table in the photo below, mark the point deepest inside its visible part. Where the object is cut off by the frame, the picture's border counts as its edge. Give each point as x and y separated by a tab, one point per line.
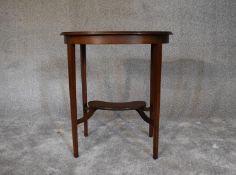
155	39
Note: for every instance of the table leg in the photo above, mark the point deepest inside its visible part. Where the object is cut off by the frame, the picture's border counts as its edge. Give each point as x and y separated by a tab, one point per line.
151	96
72	89
156	60
84	86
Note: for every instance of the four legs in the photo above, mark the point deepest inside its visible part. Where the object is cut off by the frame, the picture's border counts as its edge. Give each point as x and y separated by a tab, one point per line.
155	89
84	86
73	103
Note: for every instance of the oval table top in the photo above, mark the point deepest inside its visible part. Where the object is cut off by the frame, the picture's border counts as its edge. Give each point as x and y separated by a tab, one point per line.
116	33
116	37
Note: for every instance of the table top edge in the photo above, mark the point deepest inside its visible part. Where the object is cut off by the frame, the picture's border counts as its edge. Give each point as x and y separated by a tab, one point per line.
92	33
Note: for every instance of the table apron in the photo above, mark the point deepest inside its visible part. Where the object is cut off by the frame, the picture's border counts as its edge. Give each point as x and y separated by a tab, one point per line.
117	39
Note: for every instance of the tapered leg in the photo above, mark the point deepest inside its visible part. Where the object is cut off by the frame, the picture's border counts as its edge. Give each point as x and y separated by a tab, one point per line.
156	61
151	89
84	85
72	88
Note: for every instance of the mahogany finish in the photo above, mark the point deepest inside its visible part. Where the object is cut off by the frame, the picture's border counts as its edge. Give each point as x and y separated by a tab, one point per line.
133	105
90	33
84	84
116	37
72	89
155	39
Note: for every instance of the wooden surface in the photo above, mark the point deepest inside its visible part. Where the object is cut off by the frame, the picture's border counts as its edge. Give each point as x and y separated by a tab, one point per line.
156	60
133	105
73	102
103	33
84	85
155	39
117	37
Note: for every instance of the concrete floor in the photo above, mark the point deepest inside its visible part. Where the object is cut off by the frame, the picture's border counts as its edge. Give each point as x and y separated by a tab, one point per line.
118	144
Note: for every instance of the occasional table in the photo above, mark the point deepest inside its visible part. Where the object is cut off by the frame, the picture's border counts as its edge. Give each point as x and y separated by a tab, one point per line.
155	39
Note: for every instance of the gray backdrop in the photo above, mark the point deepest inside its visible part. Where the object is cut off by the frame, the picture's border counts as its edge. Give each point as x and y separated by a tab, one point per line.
198	103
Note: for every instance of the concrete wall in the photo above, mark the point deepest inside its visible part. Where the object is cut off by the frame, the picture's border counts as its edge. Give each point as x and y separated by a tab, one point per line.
199	64
198	69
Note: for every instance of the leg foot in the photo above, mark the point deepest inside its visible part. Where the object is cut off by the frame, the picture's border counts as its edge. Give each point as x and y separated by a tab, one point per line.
155	156
76	155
